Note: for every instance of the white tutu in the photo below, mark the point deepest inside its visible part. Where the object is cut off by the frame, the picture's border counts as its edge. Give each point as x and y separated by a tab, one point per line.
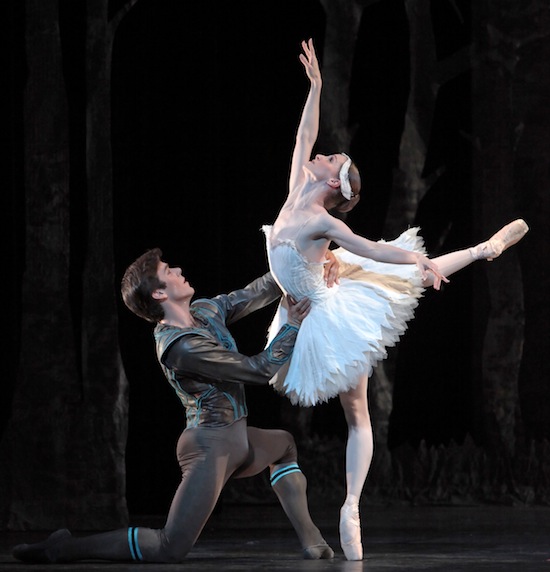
350	325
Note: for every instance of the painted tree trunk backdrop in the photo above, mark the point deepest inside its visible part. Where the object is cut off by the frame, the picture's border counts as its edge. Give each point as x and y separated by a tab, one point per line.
509	143
64	449
511	158
36	450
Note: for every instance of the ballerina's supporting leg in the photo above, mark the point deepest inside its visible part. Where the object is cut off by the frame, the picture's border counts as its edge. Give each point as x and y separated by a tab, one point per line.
489	250
359	452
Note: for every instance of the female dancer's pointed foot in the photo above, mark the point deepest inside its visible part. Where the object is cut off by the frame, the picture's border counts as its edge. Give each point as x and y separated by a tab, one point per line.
318	552
350	532
507	236
41	552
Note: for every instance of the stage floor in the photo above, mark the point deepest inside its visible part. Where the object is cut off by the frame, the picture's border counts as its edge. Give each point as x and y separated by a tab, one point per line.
258	537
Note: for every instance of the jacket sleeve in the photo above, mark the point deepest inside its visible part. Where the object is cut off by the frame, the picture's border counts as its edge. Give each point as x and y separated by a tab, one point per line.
204	360
239	303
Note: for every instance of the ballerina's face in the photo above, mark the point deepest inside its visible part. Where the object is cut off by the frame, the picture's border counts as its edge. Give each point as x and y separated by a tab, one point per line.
324	167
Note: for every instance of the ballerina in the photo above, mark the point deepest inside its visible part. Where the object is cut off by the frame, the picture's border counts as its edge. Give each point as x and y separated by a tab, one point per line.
351	324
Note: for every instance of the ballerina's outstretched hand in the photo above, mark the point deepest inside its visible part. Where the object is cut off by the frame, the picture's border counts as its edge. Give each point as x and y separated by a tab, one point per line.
310	62
425	265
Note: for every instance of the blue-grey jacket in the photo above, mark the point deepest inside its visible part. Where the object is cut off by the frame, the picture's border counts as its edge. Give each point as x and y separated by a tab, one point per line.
203	364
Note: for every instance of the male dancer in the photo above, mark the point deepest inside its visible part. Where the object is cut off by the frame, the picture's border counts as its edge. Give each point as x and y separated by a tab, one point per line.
200	360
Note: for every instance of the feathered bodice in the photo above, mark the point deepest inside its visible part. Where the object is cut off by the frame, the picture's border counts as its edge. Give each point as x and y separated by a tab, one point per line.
295	274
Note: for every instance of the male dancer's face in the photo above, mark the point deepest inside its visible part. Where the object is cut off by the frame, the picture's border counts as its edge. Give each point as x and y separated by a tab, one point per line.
177	287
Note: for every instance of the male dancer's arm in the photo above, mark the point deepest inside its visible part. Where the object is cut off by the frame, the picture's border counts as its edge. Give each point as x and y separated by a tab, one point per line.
239	303
205	360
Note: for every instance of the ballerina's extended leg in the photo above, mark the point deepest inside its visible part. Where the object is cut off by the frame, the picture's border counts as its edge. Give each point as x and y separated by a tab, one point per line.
507	236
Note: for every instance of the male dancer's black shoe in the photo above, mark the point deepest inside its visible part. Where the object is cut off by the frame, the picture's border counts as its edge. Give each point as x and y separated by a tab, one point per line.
41	552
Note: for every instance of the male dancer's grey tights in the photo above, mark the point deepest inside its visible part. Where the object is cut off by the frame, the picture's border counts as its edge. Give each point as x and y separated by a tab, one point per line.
208	457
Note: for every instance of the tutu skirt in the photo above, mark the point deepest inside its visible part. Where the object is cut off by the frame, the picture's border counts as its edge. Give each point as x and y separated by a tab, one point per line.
349	325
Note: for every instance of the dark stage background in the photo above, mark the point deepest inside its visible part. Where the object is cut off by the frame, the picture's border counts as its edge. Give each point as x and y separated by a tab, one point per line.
205	101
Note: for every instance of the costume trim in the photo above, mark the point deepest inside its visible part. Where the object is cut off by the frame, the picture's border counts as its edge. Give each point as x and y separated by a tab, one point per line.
280	473
345	187
233	404
133	543
283	331
227	342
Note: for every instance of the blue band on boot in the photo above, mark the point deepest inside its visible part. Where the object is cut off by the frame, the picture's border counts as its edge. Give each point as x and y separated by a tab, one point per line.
280	473
133	543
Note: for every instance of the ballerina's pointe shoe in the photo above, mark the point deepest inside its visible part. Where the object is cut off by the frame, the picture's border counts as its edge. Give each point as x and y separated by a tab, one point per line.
507	236
318	552
41	552
350	532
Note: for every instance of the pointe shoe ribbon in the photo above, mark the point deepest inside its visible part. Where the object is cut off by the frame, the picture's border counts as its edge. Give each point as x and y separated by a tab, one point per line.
350	532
